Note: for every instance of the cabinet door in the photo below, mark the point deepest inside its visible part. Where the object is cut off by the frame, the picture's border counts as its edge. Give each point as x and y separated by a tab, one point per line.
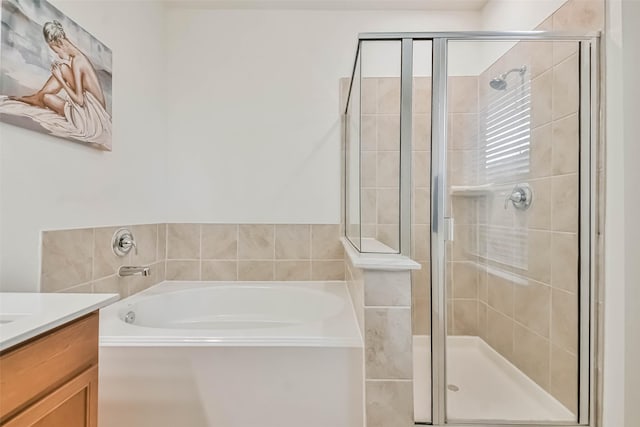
74	404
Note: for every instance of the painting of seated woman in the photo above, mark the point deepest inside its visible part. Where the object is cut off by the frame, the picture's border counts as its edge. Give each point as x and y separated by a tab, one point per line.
55	77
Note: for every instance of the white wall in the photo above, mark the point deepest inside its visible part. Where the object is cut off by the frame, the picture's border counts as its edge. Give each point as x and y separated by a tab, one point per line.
47	183
622	232
241	150
631	65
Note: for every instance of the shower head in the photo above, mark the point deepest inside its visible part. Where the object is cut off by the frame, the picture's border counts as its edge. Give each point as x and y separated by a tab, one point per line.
500	82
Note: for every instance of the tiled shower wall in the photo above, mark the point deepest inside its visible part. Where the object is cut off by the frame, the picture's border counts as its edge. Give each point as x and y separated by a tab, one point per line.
533	324
81	260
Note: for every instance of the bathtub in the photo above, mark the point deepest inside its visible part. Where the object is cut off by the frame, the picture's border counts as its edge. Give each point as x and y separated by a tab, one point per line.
237	354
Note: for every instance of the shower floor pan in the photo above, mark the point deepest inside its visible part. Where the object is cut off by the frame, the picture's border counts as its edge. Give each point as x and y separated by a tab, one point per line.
482	385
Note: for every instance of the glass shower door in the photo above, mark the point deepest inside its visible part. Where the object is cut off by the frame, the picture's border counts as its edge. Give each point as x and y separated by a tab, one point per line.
517	131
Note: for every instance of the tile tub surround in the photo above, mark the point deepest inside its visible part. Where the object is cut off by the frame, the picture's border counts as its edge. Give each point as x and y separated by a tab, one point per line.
288	252
382	302
81	260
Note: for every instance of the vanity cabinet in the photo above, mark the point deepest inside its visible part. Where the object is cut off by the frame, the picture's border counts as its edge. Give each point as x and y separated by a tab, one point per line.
52	380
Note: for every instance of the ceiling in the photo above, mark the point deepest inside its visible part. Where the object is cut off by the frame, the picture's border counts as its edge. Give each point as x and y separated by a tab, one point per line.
434	5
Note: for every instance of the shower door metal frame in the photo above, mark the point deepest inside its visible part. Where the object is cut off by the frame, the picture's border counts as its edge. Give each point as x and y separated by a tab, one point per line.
590	87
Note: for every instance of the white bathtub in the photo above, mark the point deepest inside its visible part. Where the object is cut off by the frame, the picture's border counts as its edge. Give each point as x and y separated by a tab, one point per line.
238	354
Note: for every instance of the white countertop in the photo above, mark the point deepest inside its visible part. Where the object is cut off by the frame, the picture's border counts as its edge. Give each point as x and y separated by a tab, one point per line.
26	315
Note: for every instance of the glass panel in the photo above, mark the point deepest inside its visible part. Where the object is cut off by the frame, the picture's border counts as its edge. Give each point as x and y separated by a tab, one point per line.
380	155
351	91
512	269
421	231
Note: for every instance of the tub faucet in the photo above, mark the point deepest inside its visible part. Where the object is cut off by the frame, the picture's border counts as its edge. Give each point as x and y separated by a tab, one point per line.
130	270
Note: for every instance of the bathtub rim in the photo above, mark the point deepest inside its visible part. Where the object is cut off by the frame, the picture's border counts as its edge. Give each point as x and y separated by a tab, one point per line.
115	333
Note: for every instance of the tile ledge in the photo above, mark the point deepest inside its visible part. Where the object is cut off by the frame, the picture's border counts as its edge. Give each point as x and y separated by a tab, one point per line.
378	261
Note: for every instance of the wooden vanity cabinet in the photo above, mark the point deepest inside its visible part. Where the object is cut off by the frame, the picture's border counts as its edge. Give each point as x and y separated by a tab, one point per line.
52	380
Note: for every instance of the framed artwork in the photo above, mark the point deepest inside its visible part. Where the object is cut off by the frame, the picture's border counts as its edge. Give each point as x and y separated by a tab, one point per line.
55	77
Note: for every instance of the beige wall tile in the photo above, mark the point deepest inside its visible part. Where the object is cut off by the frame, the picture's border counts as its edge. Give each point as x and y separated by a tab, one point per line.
465	280
369	132
532	306
219	270
389	403
421	241
66	259
256	241
219	241
580	15
183	241
563	50
162	242
421	139
500	333
369	206
327	270
539	213
421	206
387	288
85	288
564	261
325	242
369	169
388	132
421	169
388	206
539	259
482	320
564	203
293	241
389	235
463	94
422	95
389	95
566	87
541	99
565	145
105	262
501	294
540	154
183	270
463	131
110	285
146	237
564	320
388	169
293	270
256	270
465	317
564	378
368	96
388	343
538	55
531	355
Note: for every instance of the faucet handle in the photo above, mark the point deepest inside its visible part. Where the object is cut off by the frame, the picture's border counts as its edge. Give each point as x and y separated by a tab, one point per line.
123	241
521	196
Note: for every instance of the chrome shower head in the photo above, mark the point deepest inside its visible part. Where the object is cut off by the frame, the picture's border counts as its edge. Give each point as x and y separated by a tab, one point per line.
500	82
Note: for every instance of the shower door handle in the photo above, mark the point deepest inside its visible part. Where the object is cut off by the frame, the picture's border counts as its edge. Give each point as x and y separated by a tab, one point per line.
449	225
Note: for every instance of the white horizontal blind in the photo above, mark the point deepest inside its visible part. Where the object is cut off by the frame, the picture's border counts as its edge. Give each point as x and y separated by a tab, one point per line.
505	126
506	130
504	245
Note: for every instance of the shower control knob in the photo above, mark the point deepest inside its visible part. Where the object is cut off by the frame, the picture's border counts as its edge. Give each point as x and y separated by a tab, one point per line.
521	197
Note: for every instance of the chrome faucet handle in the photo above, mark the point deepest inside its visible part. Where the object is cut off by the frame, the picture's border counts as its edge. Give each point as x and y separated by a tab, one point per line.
123	241
521	196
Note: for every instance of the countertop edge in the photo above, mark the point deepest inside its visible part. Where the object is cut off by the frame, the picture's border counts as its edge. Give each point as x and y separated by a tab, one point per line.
58	321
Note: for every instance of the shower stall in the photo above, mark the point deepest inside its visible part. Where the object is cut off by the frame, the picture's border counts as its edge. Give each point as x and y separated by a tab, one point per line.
474	154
